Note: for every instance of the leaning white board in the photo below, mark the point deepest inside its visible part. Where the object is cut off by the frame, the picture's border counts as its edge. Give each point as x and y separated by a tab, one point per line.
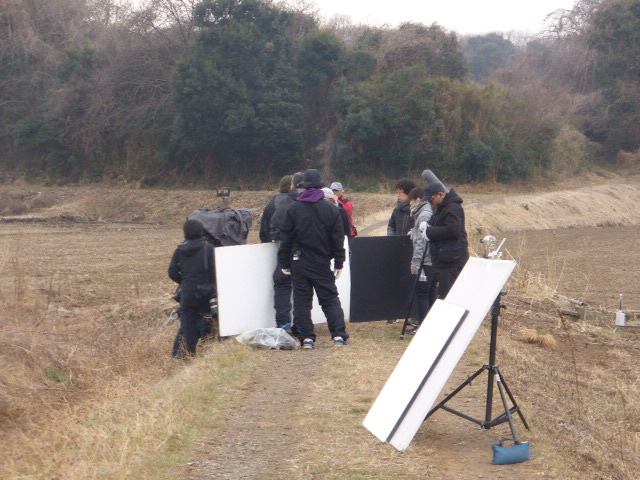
408	377
475	290
244	277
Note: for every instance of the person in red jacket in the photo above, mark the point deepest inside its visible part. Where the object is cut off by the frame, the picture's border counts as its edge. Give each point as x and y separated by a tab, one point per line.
338	191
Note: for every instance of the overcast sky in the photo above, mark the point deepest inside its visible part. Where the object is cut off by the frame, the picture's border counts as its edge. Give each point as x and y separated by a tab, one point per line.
462	16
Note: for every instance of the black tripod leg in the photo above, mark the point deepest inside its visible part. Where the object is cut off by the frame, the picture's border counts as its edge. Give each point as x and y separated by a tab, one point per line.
413	294
453	394
506	407
513	400
406	319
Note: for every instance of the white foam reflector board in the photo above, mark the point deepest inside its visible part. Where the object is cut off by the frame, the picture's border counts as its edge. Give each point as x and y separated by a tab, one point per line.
398	394
432	355
244	277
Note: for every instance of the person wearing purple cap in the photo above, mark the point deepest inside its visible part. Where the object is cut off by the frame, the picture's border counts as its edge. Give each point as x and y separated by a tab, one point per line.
310	237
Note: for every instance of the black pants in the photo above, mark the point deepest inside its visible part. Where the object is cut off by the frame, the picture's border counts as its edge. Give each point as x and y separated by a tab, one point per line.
446	278
426	292
281	296
192	328
307	277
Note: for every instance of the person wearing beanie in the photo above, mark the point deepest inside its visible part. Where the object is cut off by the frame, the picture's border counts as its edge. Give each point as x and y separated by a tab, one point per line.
192	265
270	232
338	191
346	223
311	236
447	235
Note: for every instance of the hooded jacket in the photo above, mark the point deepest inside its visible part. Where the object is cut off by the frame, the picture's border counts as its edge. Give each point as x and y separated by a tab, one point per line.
279	212
187	268
447	233
312	227
422	212
401	221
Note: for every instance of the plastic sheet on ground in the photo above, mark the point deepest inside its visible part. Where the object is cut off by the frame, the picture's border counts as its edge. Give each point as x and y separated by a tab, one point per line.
270	338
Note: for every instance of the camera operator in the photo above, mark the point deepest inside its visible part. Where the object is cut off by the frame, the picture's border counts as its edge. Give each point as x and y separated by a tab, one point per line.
192	266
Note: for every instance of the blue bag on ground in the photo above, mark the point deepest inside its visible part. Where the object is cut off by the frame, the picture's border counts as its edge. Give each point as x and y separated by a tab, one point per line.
519	452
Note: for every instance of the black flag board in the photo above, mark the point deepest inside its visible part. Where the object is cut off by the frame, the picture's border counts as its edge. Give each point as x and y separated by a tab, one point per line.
381	279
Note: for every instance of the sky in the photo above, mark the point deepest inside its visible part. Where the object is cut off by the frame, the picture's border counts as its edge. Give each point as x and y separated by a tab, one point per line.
462	16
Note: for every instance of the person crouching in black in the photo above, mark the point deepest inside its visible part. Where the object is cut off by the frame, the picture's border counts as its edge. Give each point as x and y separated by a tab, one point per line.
192	266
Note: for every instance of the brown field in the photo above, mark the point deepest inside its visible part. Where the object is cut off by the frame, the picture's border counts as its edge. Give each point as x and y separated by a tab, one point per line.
87	389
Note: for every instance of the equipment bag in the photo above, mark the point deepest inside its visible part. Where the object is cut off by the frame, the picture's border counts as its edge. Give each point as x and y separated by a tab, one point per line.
224	225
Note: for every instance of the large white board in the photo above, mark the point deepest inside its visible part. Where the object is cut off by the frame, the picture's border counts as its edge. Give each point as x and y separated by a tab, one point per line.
244	277
420	378
413	368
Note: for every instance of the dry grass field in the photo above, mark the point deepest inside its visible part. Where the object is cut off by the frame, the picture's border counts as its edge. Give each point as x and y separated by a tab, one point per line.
88	391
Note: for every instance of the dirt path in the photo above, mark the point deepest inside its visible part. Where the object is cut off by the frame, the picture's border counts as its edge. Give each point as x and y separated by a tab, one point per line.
258	435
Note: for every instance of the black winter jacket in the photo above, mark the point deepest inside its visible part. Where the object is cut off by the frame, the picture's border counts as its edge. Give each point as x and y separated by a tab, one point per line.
187	268
280	210
266	223
401	221
313	227
447	233
346	221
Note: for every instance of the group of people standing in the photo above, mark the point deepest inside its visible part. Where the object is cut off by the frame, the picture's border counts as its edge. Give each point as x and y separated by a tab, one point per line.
311	234
310	221
434	219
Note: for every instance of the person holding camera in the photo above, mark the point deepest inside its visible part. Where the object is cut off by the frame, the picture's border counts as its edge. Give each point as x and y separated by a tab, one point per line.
192	266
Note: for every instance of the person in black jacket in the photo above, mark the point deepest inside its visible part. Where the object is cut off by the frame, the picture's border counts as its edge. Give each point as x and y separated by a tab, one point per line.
311	236
269	210
192	265
282	283
448	236
401	221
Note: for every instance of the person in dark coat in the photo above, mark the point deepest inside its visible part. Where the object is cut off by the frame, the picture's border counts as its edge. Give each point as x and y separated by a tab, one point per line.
282	283
192	264
265	222
447	235
401	221
311	236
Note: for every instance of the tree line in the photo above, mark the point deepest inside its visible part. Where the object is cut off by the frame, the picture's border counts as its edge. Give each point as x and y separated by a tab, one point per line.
169	92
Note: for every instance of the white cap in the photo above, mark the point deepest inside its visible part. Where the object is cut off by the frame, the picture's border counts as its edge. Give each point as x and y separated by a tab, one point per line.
328	193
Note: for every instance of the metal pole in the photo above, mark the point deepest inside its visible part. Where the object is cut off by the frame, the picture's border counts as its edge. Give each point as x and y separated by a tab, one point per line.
495	313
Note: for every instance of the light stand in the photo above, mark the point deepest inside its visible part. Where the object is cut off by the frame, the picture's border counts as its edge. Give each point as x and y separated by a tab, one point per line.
492	369
493	374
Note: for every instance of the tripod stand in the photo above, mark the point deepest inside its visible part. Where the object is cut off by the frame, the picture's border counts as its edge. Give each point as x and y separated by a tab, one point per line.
493	374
